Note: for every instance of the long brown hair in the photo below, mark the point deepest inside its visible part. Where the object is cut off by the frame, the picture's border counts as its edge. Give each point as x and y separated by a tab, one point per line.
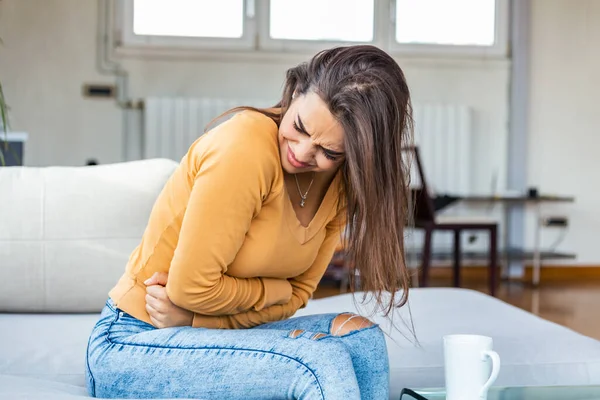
367	93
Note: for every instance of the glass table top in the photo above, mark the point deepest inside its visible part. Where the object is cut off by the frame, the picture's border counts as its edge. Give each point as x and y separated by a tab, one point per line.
522	393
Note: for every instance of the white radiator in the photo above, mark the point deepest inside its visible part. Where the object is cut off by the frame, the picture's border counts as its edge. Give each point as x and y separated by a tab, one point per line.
172	124
444	136
442	132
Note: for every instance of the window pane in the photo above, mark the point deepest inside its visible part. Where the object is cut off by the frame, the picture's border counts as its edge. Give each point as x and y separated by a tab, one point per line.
334	20
452	22
192	18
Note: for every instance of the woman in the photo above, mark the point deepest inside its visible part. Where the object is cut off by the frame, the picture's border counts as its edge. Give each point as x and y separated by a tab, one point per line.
244	230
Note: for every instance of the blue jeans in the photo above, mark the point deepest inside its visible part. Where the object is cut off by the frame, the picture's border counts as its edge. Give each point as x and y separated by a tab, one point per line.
128	358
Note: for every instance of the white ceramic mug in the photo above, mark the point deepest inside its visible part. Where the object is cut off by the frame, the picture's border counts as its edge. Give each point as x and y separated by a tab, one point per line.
471	366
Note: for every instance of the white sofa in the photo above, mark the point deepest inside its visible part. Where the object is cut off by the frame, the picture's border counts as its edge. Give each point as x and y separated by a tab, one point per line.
66	233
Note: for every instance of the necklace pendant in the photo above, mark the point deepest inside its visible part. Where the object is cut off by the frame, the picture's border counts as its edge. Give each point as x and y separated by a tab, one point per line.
303	196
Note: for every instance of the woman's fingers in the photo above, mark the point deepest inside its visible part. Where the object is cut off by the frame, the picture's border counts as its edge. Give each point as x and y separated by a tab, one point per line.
154	303
158	278
151	311
155	322
151	280
157	291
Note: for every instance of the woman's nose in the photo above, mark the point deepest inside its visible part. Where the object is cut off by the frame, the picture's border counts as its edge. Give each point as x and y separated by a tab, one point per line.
305	150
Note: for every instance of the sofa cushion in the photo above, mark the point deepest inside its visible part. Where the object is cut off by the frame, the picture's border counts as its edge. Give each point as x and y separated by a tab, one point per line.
67	232
533	351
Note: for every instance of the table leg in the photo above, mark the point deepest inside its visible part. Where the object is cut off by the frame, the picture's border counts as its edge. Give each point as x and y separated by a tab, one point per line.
537	259
426	257
493	259
505	261
457	257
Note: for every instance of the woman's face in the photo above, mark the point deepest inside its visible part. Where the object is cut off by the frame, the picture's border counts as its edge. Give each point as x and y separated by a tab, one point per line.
310	138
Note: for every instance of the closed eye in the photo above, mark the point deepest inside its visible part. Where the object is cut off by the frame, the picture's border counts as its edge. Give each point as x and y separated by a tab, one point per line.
301	130
329	155
300	126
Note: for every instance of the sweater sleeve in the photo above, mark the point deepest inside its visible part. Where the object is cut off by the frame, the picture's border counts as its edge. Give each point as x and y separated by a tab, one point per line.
232	174
303	286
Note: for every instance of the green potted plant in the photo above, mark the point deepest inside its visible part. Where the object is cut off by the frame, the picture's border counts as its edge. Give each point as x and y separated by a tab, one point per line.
4	126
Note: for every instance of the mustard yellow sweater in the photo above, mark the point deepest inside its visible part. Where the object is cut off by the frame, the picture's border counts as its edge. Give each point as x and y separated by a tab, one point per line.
224	229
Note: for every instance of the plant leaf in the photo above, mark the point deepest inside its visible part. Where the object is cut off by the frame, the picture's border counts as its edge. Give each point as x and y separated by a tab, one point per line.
4	117
3	120
2	161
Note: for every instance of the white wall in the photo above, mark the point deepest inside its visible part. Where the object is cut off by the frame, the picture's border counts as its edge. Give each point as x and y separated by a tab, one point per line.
49	53
565	117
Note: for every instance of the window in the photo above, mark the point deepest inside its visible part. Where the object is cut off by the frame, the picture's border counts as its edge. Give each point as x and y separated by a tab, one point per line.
476	26
331	20
189	18
459	27
195	24
458	22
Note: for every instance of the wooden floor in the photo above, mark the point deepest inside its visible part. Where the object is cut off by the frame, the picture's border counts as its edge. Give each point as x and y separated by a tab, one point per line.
572	304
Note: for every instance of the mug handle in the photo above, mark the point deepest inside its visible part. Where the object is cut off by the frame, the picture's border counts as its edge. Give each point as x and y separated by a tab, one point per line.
495	370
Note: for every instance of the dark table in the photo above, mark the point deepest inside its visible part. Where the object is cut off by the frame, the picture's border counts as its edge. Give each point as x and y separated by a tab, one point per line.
445	200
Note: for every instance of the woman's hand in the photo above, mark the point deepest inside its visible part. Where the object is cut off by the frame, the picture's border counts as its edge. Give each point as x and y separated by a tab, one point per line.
163	313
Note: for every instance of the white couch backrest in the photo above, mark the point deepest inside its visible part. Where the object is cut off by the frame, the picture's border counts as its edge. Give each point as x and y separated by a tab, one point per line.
66	233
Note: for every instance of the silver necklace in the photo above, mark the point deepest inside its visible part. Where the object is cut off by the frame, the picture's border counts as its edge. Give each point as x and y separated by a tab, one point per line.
303	196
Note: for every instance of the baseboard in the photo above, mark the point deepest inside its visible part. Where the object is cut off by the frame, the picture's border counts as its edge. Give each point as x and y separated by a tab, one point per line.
562	273
550	273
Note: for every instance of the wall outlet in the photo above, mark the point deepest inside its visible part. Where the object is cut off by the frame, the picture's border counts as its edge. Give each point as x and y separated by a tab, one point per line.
98	91
561	222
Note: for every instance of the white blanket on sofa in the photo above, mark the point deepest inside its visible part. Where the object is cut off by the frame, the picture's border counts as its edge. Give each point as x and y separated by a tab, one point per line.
42	355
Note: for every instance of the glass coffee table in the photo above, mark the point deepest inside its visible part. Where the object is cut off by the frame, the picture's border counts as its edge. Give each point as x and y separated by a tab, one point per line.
516	393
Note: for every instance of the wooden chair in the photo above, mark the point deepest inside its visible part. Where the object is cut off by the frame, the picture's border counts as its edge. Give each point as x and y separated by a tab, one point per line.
425	218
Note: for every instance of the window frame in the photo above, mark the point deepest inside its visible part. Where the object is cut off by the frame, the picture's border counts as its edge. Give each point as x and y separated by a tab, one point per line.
256	42
267	43
498	49
130	40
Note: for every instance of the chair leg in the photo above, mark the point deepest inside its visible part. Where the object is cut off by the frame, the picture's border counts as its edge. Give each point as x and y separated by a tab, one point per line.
426	257
457	257
493	259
